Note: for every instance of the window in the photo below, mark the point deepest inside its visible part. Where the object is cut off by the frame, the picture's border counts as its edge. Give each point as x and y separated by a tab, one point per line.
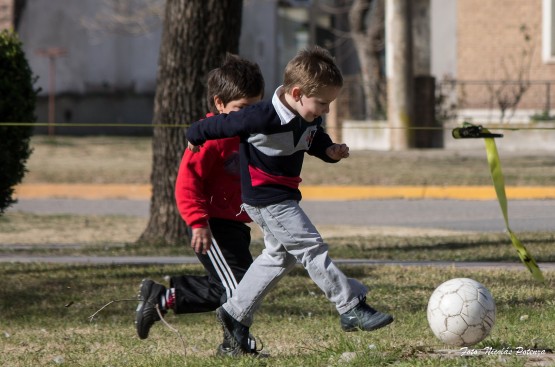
548	44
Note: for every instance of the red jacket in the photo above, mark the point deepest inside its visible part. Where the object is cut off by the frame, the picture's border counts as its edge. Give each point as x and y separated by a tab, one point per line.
208	184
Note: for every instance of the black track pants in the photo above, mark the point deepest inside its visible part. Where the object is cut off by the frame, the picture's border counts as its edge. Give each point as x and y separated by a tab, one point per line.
226	262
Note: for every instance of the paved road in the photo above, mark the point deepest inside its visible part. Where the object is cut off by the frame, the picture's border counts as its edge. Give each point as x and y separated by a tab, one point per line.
457	215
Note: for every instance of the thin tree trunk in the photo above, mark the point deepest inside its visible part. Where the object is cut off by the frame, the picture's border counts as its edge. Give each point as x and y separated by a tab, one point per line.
197	35
366	20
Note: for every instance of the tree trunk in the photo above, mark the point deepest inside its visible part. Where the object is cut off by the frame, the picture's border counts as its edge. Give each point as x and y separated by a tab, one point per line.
197	35
367	23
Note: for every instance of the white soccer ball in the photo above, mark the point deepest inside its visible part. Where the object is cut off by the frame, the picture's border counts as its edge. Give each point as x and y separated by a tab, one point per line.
461	312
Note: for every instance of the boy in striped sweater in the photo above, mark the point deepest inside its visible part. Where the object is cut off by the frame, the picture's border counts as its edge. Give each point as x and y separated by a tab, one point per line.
275	135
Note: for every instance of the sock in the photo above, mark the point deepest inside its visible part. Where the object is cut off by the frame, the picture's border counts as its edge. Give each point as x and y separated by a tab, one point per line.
169	299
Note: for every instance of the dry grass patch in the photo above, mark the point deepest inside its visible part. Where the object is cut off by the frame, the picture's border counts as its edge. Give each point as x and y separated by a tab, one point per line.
94	159
109	159
24	228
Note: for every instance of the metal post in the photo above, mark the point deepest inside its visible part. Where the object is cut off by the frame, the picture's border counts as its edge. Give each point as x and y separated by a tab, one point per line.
399	70
52	53
548	95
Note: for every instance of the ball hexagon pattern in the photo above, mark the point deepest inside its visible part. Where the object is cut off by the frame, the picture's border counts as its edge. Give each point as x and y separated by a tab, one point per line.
461	312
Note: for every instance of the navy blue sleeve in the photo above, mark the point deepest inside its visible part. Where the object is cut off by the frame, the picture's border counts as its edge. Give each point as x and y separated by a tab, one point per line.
320	143
248	120
215	127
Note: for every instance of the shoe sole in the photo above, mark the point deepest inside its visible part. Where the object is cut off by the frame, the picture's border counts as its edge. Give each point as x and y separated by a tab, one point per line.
238	352
228	352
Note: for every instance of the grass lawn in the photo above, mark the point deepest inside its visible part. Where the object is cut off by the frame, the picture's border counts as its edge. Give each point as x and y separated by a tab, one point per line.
45	320
45	309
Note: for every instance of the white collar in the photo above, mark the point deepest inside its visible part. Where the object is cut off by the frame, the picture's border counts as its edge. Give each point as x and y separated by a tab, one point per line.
284	113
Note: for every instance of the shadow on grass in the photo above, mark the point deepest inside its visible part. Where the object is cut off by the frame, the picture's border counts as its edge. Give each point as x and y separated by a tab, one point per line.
50	293
492	247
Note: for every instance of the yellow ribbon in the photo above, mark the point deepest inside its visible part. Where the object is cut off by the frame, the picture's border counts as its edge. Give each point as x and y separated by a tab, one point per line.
499	184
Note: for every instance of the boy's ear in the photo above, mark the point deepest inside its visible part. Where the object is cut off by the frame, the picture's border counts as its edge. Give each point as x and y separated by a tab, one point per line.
220	105
296	93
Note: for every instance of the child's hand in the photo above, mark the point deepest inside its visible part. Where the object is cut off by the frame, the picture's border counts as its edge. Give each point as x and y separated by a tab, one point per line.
193	148
338	151
201	240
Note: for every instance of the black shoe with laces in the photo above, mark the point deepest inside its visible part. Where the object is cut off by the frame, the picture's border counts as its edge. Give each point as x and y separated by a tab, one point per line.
225	349
236	336
150	296
364	317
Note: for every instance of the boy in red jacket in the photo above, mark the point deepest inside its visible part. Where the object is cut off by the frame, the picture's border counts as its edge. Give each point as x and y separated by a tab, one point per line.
208	196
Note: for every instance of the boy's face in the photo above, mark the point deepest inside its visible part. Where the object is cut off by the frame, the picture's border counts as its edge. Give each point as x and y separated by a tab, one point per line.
309	108
236	104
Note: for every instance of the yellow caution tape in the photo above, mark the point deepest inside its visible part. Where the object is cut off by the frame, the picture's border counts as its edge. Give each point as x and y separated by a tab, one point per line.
499	184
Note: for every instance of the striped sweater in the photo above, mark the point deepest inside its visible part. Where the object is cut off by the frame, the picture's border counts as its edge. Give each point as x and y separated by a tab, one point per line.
273	142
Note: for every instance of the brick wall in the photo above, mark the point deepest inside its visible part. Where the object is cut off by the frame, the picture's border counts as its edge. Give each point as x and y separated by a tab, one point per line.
490	46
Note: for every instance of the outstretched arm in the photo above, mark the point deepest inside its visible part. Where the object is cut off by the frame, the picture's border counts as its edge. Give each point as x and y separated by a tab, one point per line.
216	127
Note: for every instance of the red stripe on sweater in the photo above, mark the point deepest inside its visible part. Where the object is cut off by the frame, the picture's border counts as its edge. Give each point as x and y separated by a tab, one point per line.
259	178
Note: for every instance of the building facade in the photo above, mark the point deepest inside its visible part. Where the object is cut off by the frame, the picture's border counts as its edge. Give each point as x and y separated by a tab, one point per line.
6	14
505	59
492	60
104	72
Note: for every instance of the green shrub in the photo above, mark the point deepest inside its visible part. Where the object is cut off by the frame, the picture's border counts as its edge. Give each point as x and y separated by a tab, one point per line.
542	117
17	104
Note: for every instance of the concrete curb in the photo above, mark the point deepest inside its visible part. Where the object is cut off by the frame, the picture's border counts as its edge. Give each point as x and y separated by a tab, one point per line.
317	193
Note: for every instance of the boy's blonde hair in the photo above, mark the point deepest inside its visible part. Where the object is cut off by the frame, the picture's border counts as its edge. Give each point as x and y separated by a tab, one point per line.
312	69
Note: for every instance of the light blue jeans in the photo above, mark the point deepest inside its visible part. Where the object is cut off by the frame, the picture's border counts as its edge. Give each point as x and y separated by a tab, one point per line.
290	237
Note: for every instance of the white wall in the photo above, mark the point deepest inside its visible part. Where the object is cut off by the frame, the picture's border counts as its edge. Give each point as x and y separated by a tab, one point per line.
99	63
444	38
95	61
258	40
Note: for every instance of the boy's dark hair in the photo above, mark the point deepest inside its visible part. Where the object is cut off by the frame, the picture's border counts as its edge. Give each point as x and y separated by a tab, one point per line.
312	69
236	78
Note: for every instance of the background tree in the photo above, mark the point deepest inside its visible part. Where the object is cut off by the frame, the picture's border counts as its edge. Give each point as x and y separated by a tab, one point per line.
367	24
362	22
196	36
127	17
509	92
17	104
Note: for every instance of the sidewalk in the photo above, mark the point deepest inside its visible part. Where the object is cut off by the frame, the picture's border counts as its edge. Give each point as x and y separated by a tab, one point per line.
315	193
417	214
169	260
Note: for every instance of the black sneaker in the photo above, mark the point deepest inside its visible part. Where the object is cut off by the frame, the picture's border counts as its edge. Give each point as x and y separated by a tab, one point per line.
150	295
364	317
226	350
236	336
